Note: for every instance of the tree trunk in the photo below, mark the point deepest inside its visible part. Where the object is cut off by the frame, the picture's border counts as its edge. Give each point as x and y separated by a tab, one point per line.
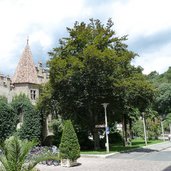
124	129
94	131
96	139
130	129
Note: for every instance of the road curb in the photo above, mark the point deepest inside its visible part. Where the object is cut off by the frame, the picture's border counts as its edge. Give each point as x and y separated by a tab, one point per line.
114	153
99	155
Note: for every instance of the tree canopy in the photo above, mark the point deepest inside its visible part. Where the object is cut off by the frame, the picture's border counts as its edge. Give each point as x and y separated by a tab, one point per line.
92	66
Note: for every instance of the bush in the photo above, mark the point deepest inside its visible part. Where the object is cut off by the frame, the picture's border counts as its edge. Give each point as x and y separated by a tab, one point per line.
84	141
69	146
152	128
7	121
57	126
115	137
31	127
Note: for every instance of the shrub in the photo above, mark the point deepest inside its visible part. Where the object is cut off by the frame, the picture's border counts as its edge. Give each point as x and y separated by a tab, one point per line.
15	154
115	137
84	141
69	146
57	126
31	127
7	121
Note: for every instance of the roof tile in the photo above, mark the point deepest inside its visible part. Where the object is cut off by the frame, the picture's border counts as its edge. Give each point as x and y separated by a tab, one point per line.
25	71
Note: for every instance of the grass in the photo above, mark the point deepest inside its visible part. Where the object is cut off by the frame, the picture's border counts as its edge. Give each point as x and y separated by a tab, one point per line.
136	143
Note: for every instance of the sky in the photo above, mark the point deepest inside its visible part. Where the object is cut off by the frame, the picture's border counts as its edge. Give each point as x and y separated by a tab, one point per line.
146	22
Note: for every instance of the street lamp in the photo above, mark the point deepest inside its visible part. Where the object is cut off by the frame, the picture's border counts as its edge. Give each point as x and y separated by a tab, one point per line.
162	128
144	125
106	127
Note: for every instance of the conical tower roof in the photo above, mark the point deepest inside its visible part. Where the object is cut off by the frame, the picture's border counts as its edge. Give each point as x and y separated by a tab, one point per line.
25	71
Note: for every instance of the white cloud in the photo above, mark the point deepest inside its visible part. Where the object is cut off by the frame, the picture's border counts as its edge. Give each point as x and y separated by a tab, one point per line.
34	18
41	19
137	17
41	37
158	60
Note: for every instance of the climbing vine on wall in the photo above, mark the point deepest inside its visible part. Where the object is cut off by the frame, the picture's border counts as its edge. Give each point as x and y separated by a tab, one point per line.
31	125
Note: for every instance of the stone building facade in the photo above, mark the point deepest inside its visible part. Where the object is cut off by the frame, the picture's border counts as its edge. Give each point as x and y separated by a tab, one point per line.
26	79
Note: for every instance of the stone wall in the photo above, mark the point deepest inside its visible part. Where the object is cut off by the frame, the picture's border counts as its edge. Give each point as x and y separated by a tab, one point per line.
9	90
5	86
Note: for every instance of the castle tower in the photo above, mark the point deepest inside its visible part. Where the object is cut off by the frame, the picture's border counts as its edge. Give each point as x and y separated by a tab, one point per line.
25	78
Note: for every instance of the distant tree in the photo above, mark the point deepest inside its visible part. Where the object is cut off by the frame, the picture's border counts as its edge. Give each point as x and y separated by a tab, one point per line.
163	99
152	120
167	122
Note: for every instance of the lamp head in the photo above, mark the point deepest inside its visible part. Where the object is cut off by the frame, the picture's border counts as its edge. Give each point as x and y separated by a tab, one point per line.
105	104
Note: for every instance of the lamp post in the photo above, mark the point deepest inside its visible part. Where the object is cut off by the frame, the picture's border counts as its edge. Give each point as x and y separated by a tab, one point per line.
144	125
162	128
106	127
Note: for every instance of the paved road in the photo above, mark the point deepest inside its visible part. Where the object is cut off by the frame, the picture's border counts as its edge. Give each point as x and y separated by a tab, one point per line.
157	152
151	158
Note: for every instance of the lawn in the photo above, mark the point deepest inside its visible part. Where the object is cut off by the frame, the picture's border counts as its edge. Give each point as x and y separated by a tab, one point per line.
136	143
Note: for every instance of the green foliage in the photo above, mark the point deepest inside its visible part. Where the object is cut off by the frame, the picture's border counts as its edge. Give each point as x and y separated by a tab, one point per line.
7	119
93	66
57	127
14	155
46	105
115	137
138	129
158	79
83	139
152	126
167	122
31	126
163	99
69	146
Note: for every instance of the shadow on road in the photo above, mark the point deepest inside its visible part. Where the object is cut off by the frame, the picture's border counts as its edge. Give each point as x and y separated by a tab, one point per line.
167	168
141	150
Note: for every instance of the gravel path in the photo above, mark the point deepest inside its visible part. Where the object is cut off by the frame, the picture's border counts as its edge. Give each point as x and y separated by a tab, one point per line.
123	164
99	164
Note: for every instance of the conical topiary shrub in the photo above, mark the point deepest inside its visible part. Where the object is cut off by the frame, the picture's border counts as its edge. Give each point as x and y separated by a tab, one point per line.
69	146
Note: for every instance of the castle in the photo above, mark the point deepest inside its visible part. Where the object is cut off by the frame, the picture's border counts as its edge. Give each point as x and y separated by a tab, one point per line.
26	79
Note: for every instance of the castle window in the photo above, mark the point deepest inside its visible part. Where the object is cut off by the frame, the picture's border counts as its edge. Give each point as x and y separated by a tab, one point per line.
33	94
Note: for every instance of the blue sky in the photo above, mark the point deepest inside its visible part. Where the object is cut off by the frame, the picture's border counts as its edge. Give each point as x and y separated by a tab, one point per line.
146	22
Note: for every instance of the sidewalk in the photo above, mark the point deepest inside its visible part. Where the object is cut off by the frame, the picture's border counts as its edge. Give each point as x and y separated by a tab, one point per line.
104	162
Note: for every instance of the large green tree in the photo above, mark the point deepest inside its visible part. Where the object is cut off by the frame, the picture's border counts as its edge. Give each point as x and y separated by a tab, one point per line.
93	66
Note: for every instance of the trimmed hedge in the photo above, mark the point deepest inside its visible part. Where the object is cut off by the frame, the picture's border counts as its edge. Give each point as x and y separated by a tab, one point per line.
7	120
69	146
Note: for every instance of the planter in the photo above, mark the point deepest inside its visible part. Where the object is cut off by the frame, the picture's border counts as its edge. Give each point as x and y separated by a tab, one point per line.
68	163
